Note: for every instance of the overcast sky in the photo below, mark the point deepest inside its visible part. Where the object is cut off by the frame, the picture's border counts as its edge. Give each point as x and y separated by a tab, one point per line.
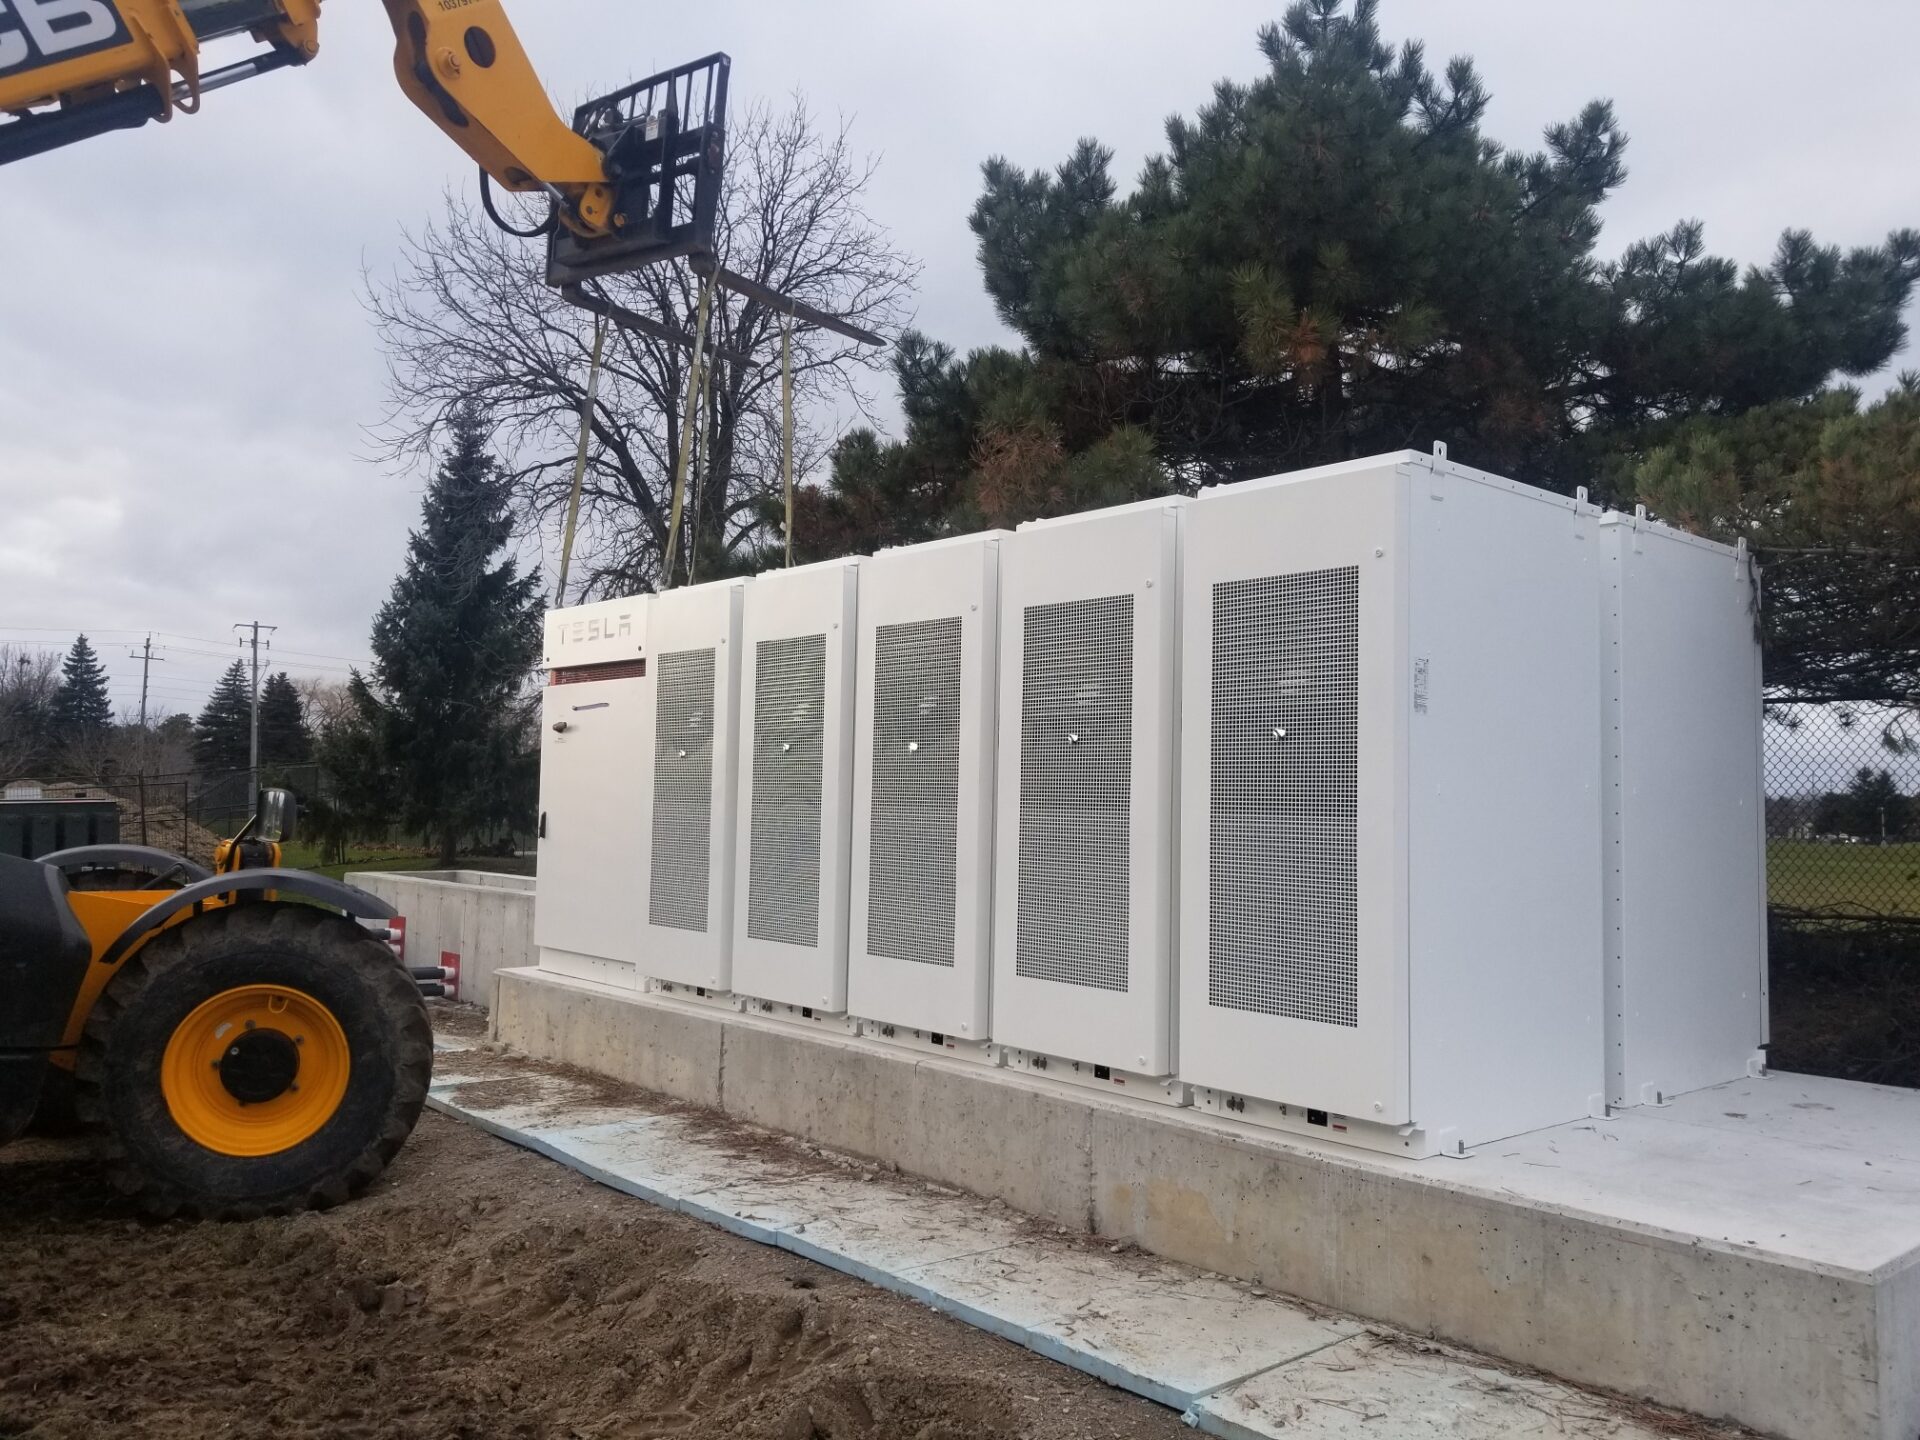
187	377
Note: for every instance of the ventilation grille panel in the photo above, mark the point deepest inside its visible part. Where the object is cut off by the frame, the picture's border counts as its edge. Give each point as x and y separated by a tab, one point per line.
1285	796
682	789
789	738
1076	792
914	822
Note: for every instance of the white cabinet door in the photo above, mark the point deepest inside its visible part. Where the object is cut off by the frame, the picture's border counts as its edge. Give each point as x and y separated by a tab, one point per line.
1082	953
591	819
1293	866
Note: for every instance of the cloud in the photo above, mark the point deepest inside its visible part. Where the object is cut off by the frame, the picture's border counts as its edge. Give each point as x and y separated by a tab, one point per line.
186	377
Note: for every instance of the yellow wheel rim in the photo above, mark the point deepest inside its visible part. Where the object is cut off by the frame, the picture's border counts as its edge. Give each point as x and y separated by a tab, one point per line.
255	1070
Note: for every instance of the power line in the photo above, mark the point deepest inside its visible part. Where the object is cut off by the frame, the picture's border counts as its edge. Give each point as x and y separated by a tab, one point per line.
117	635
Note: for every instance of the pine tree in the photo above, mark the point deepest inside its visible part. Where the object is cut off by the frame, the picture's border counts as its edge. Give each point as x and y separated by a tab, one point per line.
81	709
1332	260
1827	492
223	735
285	738
453	647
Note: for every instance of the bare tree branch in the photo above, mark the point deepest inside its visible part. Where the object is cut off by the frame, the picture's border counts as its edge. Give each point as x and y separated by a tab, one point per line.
467	318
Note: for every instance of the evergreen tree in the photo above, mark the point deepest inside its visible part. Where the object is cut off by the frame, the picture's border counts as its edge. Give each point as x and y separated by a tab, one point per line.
453	648
223	735
285	738
1330	261
356	792
1828	494
81	709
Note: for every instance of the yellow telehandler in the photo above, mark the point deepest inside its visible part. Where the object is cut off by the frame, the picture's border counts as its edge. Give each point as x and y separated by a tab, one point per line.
241	1043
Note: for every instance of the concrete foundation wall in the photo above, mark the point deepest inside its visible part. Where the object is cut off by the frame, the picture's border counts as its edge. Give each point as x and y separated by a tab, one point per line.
1703	1322
484	918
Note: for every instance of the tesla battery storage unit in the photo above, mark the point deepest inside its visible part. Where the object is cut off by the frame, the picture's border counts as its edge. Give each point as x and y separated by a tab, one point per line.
688	758
923	793
797	639
592	816
1083	938
1390	843
1685	825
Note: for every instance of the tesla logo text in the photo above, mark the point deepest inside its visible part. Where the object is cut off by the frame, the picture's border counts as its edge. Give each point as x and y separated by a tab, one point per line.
578	632
34	33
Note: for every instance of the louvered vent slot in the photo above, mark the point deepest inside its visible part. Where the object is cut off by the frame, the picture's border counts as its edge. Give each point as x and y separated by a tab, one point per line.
682	789
915	818
789	735
1076	792
1285	786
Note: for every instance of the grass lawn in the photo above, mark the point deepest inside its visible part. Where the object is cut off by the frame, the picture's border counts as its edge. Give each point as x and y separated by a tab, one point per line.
1871	879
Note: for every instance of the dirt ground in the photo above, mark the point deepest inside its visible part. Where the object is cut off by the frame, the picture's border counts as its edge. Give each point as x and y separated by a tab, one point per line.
480	1291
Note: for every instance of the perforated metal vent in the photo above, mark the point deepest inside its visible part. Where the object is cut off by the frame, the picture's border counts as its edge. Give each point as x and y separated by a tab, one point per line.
682	789
914	821
1076	792
1285	796
789	734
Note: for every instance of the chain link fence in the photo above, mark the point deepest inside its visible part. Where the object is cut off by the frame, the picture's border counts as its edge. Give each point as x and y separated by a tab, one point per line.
1843	889
187	813
1843	814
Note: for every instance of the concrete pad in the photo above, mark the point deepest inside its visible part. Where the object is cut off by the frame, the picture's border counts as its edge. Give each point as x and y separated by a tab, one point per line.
531	1102
1206	1346
668	1049
891	1104
1845	1205
1750	1252
880	1233
1372	1386
1009	1291
1435	1247
1805	1110
1162	1331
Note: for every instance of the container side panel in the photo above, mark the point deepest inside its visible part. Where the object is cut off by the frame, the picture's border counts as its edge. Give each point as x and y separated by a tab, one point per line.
1505	954
1691	964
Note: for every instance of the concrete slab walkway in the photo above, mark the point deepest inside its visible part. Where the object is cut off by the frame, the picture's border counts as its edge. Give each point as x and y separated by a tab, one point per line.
1234	1359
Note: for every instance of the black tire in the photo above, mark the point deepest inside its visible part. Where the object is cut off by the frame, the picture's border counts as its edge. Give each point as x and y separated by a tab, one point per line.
324	955
55	1115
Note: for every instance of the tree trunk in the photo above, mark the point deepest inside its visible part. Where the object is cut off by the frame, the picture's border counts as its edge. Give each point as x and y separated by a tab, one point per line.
449	847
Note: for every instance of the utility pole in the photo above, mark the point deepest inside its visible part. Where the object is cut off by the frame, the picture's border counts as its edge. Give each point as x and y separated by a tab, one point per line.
253	746
146	665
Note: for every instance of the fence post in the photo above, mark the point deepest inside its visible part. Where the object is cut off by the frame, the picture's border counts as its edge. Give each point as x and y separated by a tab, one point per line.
143	807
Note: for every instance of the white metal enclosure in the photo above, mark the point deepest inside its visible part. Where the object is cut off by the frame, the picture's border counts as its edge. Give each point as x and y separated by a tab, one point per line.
1685	826
1390	896
1083	864
923	787
795	820
590	783
689	756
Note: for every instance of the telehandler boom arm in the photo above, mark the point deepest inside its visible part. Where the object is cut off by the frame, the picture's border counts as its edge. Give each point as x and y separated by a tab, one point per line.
72	69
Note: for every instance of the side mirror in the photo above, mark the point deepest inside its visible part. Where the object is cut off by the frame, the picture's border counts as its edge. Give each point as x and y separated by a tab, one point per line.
279	815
